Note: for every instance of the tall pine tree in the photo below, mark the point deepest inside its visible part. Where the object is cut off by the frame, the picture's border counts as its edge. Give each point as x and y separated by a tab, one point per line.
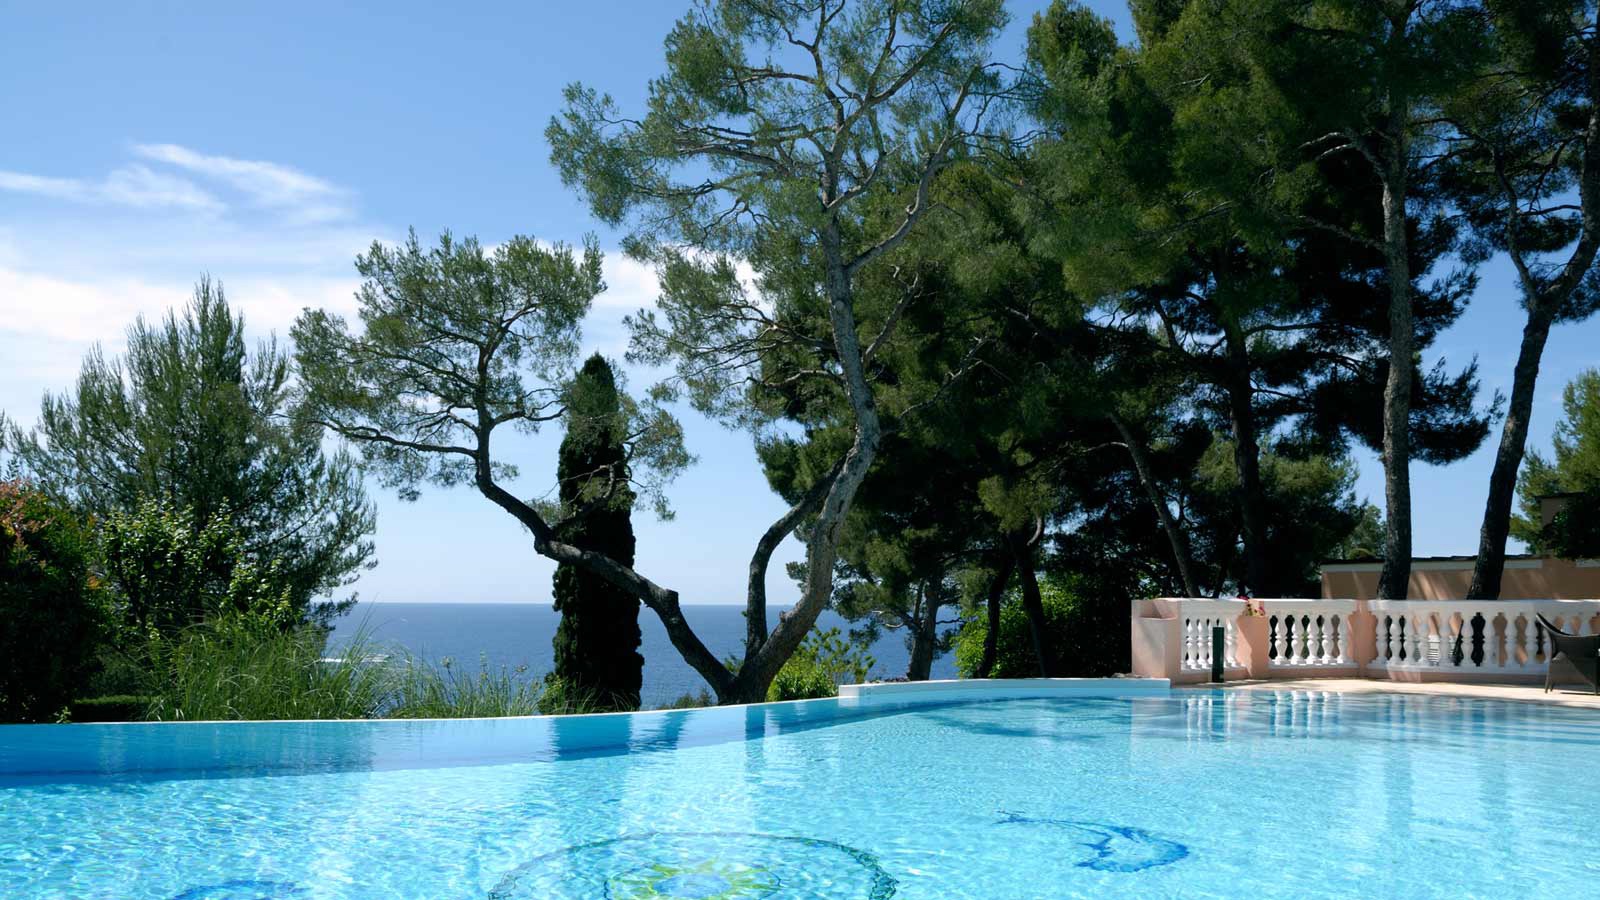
597	661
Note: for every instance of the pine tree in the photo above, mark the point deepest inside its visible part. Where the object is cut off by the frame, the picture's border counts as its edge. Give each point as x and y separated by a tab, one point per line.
597	661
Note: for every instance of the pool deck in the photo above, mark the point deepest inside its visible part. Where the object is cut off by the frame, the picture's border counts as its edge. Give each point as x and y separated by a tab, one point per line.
1524	693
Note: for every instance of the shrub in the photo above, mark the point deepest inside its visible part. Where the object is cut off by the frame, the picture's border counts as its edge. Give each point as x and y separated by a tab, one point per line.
1080	628
693	701
424	691
232	668
823	661
113	708
171	571
52	616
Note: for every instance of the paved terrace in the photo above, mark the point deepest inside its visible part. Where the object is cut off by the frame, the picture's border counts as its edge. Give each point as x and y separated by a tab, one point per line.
1558	696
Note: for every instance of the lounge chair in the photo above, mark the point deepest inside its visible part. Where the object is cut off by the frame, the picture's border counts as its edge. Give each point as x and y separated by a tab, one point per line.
1579	653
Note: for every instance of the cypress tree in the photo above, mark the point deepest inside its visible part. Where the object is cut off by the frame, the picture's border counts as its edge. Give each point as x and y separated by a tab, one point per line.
597	661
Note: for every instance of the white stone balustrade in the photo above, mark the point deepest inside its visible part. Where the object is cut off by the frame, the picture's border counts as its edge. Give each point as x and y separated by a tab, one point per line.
1400	639
1310	633
1472	636
1199	617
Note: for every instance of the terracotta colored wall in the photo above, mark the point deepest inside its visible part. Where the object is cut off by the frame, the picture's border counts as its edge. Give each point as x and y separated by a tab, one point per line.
1537	579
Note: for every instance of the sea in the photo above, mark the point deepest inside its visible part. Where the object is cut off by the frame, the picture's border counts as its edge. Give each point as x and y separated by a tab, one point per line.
519	634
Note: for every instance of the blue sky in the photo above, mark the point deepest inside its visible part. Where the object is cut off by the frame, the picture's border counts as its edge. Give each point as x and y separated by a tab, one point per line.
268	144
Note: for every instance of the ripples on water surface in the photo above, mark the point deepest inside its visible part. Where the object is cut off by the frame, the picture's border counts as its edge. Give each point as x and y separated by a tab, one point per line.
1200	794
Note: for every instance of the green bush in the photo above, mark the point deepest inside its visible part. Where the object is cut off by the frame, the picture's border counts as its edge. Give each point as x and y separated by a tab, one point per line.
52	614
171	571
424	691
823	661
801	680
113	708
235	668
1080	626
230	668
693	701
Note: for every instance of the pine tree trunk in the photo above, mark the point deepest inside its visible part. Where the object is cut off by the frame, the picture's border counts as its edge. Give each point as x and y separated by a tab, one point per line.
1491	562
925	635
1543	306
1033	605
1175	536
1247	461
1394	583
991	636
822	543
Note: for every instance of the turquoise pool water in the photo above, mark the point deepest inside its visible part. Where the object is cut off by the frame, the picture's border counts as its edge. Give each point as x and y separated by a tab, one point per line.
1199	794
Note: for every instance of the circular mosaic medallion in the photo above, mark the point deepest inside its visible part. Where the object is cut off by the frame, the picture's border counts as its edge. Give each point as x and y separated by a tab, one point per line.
243	889
700	866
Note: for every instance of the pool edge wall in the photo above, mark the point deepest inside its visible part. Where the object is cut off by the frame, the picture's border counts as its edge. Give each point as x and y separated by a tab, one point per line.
35	753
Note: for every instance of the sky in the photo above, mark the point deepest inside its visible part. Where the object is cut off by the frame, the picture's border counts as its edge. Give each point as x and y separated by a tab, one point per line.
147	144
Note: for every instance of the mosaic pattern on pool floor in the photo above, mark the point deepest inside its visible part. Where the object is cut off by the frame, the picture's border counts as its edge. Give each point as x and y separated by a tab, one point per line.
700	866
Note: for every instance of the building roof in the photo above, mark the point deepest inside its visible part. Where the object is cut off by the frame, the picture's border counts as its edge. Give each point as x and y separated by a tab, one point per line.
1425	559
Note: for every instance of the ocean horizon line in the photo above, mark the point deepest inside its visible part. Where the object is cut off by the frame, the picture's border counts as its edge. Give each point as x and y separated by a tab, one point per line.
365	601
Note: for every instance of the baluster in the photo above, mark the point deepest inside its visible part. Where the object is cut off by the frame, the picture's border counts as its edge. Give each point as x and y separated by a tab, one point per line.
1325	635
1528	628
1230	656
1444	639
1491	641
1302	640
1413	641
1204	638
1198	654
1345	656
1448	634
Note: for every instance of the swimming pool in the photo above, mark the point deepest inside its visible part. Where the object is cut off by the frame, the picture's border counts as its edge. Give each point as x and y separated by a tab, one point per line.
1200	793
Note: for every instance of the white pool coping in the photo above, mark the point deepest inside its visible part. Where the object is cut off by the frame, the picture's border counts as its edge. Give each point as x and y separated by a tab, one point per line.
904	692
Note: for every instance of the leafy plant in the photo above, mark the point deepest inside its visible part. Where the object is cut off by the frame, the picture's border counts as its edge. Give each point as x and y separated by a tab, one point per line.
172	570
232	668
1070	617
824	660
692	701
443	691
191	415
52	614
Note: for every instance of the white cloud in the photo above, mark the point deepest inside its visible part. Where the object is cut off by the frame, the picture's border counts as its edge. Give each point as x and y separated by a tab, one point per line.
84	311
630	284
135	185
269	184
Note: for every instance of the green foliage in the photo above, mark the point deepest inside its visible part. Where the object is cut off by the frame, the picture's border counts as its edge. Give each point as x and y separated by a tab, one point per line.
1573	469
52	612
171	571
692	701
1312	514
596	644
110	708
423	691
429	315
824	660
190	416
226	668
1079	628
